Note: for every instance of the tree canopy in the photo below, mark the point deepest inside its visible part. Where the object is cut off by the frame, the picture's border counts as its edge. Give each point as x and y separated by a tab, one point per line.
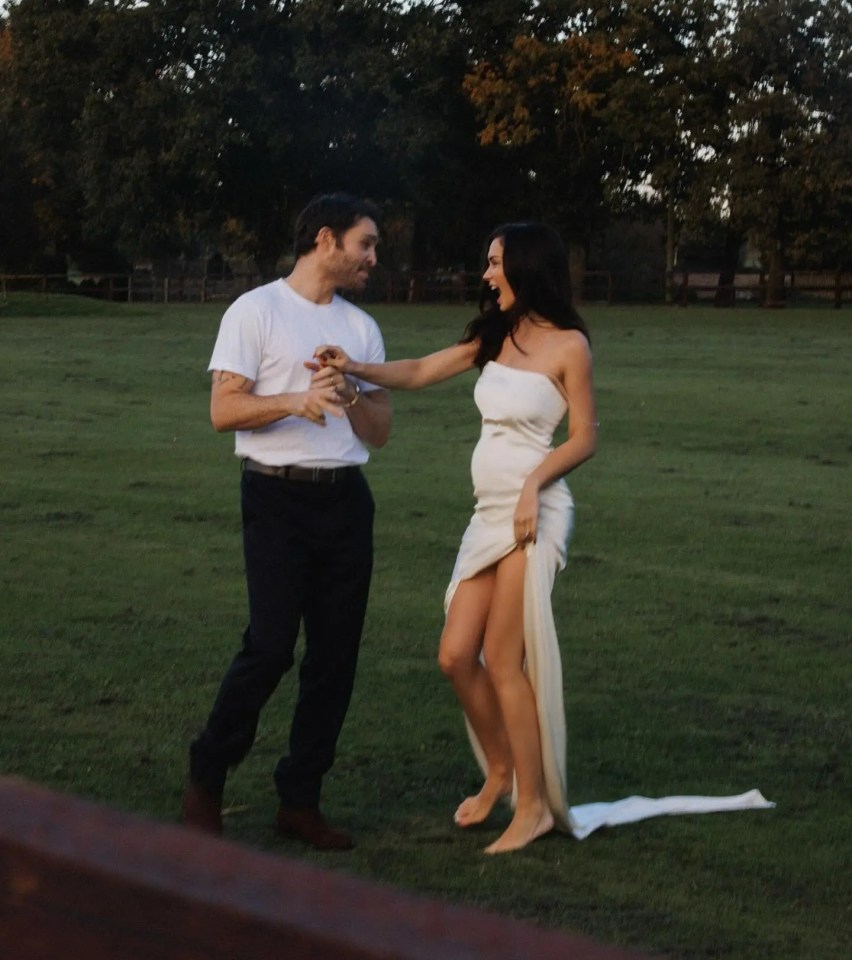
180	126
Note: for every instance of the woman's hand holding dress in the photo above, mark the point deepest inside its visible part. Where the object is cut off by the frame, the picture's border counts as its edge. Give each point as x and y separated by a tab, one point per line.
526	513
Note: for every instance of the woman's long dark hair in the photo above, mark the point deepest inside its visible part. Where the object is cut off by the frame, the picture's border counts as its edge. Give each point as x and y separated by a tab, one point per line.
535	264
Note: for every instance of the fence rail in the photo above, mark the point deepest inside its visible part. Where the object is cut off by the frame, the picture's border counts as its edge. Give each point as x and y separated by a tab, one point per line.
430	287
133	287
81	880
753	287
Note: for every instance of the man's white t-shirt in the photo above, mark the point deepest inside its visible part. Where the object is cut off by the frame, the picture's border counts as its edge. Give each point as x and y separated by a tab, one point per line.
267	335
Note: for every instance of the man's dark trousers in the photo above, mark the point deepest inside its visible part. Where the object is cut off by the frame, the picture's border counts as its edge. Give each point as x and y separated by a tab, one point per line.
308	555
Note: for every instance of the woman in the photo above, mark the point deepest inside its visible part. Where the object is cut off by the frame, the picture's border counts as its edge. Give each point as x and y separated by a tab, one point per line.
498	646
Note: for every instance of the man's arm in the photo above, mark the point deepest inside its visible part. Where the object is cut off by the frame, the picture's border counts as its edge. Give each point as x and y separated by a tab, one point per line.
234	407
369	411
370	415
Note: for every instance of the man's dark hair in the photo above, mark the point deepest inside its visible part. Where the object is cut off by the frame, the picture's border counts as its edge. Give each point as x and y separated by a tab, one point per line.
337	211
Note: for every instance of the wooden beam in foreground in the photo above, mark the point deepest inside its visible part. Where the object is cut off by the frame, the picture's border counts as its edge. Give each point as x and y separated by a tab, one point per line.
79	881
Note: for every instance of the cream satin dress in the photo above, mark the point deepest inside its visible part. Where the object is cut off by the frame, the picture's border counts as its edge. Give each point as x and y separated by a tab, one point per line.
520	410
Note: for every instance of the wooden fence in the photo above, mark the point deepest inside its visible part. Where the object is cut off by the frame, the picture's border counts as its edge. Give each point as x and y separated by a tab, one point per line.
134	287
384	286
753	288
432	287
82	882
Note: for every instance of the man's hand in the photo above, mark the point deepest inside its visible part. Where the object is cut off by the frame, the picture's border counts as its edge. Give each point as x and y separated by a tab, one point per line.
329	377
314	404
369	412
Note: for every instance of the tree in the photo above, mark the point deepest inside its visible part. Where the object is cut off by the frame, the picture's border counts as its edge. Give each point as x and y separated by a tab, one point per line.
672	103
789	121
252	107
553	101
18	229
141	178
825	237
49	46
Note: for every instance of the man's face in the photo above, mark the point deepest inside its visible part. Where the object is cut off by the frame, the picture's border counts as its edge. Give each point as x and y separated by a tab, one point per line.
354	255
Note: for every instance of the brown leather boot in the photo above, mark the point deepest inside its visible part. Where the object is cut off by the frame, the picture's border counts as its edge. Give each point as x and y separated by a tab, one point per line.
309	826
202	810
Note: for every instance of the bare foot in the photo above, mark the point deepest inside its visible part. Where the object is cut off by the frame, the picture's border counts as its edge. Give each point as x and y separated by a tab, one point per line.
476	809
524	828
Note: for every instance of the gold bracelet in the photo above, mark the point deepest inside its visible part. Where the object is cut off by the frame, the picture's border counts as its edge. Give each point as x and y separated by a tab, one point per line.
356	398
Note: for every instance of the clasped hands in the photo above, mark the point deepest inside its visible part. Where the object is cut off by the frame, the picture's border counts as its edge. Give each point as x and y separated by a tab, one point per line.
330	391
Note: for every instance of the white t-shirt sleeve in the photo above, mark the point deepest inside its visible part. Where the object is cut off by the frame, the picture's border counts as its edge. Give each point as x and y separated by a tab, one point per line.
239	345
374	352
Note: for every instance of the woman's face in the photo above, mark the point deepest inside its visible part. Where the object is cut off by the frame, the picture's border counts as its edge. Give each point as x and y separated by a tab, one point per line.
494	276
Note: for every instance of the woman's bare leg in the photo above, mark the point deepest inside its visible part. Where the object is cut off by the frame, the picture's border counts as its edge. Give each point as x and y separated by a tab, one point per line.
461	643
504	658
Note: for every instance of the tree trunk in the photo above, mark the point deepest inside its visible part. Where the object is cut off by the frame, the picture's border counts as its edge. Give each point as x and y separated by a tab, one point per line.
577	268
725	293
670	251
775	280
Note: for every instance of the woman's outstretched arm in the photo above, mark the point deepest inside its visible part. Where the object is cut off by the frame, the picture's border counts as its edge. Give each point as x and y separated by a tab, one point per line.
403	374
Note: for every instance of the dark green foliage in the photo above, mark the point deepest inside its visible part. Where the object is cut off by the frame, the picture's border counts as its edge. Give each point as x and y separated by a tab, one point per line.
179	127
787	163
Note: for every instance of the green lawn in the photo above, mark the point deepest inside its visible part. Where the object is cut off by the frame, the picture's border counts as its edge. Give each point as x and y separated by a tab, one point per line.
704	615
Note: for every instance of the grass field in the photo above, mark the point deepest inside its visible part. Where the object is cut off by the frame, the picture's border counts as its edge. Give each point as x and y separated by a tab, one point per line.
704	615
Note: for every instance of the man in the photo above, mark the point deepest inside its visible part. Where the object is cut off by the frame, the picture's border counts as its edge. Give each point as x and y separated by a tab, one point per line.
302	433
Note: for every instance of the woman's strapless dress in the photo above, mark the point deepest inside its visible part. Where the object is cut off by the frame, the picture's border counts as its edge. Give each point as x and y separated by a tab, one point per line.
520	410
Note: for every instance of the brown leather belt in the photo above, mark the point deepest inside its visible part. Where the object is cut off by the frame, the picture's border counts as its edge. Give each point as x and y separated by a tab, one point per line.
304	474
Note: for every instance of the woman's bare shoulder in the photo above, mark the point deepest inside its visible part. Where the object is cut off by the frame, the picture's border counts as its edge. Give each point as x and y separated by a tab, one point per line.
572	345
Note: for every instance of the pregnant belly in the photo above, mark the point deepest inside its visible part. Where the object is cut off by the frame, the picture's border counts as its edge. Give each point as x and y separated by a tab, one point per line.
500	465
